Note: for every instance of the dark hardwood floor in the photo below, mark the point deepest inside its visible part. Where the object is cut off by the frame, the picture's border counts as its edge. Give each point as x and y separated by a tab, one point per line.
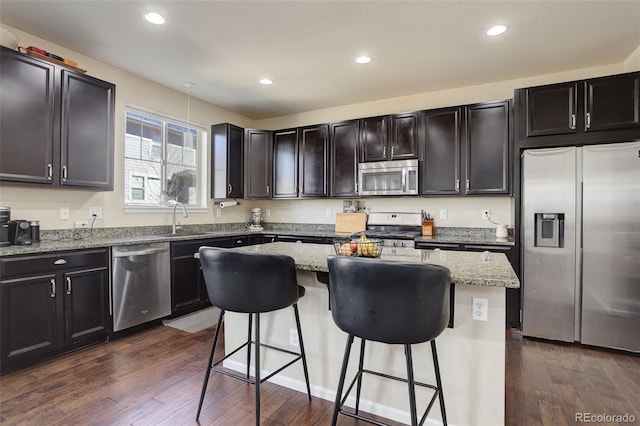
154	378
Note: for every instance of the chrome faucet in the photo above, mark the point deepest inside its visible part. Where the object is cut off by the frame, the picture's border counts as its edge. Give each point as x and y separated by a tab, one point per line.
184	213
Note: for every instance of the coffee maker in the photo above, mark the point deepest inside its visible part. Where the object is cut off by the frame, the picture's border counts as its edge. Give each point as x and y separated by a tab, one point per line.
256	219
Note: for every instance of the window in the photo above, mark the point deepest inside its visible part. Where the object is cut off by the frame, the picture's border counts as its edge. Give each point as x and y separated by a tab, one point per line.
163	157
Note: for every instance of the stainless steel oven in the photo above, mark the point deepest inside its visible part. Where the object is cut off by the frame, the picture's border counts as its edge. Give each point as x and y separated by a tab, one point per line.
388	178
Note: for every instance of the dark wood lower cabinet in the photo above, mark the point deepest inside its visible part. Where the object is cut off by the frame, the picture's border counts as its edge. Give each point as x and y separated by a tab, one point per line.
512	294
52	304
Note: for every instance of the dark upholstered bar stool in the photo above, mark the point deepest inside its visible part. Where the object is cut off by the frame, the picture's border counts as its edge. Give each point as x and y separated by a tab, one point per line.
250	283
389	302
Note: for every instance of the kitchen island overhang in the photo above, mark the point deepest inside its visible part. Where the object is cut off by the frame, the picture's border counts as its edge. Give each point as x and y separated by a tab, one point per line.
472	355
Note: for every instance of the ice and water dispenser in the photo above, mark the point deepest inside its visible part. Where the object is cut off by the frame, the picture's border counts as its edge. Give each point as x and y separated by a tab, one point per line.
549	230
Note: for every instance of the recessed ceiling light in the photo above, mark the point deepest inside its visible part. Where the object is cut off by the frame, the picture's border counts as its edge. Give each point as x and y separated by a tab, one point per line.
154	18
363	59
496	30
266	81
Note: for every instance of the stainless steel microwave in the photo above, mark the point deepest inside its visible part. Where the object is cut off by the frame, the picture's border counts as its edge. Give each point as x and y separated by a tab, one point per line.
388	178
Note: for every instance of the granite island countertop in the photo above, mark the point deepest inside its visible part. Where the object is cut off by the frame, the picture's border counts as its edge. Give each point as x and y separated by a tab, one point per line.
472	268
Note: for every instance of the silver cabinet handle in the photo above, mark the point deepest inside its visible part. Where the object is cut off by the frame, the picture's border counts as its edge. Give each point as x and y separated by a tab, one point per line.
60	262
356	187
393	149
267	189
572	124
64	173
457	184
384	151
68	285
239	242
468	182
52	293
49	172
230	188
588	118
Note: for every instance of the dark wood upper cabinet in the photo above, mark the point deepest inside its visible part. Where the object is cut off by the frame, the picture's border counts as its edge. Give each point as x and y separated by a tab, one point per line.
86	128
258	163
57	126
227	161
440	166
313	161
597	110
404	136
389	137
487	148
285	163
374	138
343	139
612	103
466	150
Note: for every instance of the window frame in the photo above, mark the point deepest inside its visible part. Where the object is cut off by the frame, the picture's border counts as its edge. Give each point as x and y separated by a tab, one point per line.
201	159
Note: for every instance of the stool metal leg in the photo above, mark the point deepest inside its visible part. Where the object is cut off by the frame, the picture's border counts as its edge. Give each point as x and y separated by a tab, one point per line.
360	365
412	386
343	373
304	358
249	345
436	367
257	373
206	376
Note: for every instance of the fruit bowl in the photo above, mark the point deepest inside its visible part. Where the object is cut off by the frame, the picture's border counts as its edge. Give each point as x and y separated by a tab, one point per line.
358	247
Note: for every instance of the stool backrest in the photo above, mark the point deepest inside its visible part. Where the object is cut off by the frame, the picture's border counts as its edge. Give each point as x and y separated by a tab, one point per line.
390	302
248	282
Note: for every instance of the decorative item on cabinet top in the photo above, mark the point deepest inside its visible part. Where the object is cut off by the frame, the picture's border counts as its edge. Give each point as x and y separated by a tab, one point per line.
51	57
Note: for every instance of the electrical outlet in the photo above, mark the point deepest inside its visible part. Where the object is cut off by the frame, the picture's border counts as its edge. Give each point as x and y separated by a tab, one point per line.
485	214
97	211
268	212
328	212
64	212
480	308
443	213
293	337
218	212
81	224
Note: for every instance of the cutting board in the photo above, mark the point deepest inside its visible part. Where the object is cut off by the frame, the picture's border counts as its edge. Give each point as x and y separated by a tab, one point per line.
351	222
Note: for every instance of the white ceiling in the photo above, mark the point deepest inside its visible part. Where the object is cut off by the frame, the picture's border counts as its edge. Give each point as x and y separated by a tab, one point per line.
308	47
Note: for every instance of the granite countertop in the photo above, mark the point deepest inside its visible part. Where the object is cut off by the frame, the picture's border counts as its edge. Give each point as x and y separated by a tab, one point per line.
472	268
63	240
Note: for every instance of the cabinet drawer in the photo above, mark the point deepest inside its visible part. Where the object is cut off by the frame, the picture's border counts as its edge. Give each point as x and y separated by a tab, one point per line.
38	264
188	248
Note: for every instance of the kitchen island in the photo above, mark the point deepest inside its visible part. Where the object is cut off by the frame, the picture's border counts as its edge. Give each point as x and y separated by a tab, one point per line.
471	354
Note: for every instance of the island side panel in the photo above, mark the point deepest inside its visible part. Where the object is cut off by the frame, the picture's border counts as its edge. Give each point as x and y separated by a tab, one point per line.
471	355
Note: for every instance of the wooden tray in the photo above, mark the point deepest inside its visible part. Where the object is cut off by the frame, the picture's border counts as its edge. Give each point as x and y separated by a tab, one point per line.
55	61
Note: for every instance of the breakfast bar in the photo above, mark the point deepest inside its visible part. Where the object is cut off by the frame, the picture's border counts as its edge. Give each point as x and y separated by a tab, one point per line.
471	354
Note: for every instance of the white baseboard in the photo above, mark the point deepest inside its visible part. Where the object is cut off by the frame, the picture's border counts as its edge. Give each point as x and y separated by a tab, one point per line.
330	395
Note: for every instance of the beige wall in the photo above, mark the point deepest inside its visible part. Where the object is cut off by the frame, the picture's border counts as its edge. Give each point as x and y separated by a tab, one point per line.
43	204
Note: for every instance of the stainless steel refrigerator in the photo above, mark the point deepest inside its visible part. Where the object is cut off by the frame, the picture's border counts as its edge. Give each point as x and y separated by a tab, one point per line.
581	244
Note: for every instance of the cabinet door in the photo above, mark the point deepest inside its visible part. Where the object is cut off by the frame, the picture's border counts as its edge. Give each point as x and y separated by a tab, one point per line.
404	136
26	121
612	103
487	148
28	319
344	158
441	152
86	304
313	161
86	132
185	288
258	163
285	163
551	110
227	157
374	138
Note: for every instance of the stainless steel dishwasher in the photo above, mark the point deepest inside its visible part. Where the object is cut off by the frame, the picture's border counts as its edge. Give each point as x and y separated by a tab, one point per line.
140	284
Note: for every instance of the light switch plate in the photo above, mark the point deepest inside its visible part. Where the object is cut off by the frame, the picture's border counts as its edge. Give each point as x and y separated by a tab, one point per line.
64	213
443	213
